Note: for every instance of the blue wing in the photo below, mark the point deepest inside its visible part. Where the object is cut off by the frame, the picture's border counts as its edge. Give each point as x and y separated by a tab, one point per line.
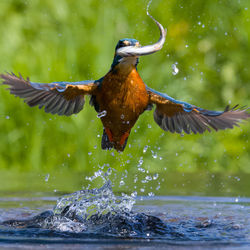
62	98
177	116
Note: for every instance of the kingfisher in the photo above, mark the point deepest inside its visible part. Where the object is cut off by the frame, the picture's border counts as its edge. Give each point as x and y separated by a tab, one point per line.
121	96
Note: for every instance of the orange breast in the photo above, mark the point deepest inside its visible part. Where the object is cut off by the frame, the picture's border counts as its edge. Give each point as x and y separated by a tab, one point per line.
124	97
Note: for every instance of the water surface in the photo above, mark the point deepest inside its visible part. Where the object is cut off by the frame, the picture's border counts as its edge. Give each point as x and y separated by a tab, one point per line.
98	218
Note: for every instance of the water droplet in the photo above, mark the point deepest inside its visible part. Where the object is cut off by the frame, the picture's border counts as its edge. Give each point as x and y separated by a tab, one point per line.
7	117
142	190
141	170
134	194
135	179
140	161
237	178
155	176
186	45
122	183
149	126
102	114
236	199
151	194
145	149
89	153
46	177
203	26
148	178
175	69
154	154
199	23
68	155
122	116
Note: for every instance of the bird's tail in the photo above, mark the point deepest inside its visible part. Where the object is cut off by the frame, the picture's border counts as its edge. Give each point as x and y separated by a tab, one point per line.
106	143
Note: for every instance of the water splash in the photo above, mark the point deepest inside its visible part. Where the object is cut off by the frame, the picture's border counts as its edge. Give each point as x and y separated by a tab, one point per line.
145	149
102	114
175	69
47	177
98	214
99	211
95	202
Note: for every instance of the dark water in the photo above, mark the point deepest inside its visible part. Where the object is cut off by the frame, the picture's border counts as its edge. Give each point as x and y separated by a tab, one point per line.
98	219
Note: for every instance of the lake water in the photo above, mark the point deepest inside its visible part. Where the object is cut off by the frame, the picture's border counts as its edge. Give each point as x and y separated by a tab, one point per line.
40	216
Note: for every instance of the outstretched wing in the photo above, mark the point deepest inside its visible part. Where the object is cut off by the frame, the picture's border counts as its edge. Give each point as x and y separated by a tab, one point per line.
62	98
176	116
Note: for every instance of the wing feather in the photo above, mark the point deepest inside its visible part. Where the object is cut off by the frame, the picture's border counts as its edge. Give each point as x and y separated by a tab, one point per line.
56	108
38	98
62	98
178	127
176	116
183	122
79	102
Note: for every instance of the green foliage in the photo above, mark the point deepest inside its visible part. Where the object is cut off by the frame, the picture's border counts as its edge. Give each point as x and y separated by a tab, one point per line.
75	40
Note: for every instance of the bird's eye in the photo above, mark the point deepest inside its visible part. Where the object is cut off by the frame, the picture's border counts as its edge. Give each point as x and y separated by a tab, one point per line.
123	43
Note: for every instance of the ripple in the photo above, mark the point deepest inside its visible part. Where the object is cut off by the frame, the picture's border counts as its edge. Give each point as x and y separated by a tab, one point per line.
99	214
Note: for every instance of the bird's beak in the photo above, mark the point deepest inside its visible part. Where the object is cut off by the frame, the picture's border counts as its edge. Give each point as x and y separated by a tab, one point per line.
137	44
138	50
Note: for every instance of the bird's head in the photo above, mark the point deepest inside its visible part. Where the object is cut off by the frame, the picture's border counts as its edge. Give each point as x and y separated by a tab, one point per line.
128	50
125	60
127	42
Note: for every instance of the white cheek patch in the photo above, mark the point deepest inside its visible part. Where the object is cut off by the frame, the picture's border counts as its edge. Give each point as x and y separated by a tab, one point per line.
128	60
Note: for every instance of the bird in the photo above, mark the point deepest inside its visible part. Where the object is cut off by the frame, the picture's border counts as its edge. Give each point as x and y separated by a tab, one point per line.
121	96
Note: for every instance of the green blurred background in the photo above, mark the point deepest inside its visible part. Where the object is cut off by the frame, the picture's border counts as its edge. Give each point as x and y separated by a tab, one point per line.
63	40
